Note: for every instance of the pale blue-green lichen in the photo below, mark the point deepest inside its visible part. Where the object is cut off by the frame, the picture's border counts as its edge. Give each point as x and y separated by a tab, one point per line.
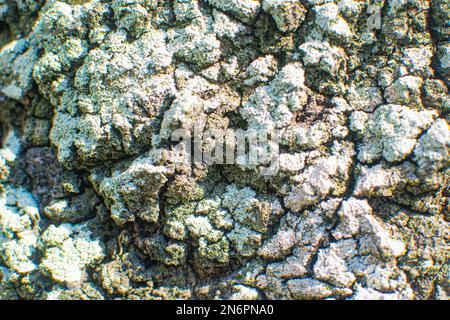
96	201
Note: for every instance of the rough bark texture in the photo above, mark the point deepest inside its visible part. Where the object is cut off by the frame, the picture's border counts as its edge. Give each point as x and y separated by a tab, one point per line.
95	202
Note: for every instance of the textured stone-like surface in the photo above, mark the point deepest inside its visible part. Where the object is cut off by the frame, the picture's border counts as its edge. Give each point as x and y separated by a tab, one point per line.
96	202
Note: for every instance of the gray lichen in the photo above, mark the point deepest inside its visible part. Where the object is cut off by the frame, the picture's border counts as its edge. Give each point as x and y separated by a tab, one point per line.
96	201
